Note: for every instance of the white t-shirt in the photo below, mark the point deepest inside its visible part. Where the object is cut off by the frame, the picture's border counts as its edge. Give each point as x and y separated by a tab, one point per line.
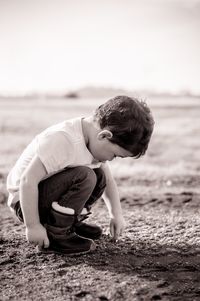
59	146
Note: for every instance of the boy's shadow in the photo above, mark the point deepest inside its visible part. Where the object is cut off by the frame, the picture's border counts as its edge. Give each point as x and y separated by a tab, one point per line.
174	272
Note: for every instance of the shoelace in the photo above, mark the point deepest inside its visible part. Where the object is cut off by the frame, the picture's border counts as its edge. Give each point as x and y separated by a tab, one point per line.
84	216
79	218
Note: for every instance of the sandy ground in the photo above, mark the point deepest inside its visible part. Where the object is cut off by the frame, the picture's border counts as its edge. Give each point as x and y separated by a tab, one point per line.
157	258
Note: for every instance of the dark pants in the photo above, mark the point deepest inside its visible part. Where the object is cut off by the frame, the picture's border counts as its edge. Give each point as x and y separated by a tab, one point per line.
75	188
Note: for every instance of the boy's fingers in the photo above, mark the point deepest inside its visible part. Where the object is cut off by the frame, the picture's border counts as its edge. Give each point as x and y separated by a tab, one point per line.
111	230
46	243
39	243
116	234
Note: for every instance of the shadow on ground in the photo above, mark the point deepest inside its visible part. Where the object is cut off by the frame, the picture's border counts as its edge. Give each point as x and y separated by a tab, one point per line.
158	258
128	273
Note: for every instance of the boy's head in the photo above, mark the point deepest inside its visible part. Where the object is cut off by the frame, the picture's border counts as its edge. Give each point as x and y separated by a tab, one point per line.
129	121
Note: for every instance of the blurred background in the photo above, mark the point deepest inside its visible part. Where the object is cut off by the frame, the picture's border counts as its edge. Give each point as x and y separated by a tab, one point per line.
60	59
65	45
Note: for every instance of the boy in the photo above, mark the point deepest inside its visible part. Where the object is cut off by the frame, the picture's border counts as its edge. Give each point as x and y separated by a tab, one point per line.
63	171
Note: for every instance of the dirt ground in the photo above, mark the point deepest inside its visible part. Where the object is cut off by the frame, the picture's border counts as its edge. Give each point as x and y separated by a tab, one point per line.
157	258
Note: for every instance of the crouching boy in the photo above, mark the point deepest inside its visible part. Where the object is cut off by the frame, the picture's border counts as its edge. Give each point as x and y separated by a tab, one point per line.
64	171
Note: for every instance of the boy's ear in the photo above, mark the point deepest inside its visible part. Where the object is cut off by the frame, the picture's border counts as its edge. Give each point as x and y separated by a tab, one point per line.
104	134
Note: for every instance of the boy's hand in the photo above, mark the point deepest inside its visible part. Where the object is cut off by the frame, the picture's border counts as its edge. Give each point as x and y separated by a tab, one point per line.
117	225
37	235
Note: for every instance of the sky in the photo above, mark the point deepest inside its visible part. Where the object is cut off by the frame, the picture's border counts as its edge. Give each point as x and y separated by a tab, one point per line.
54	46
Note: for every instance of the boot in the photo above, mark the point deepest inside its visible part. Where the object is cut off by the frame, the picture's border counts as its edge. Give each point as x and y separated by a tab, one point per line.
63	239
90	231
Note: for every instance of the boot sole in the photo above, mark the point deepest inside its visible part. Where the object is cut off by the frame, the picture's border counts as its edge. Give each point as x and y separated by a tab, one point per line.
58	251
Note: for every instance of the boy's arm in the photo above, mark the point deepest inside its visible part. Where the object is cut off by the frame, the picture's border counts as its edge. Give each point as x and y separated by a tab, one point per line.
112	201
29	181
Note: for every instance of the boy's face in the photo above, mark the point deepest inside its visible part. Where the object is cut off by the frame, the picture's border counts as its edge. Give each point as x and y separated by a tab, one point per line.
104	150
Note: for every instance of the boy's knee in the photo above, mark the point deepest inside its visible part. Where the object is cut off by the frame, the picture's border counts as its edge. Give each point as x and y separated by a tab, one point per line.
87	176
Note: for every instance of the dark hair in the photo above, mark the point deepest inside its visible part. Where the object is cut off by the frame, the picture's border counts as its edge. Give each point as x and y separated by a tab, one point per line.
130	122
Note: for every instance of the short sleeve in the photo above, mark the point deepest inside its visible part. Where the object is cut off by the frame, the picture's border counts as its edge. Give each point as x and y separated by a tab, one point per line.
55	151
